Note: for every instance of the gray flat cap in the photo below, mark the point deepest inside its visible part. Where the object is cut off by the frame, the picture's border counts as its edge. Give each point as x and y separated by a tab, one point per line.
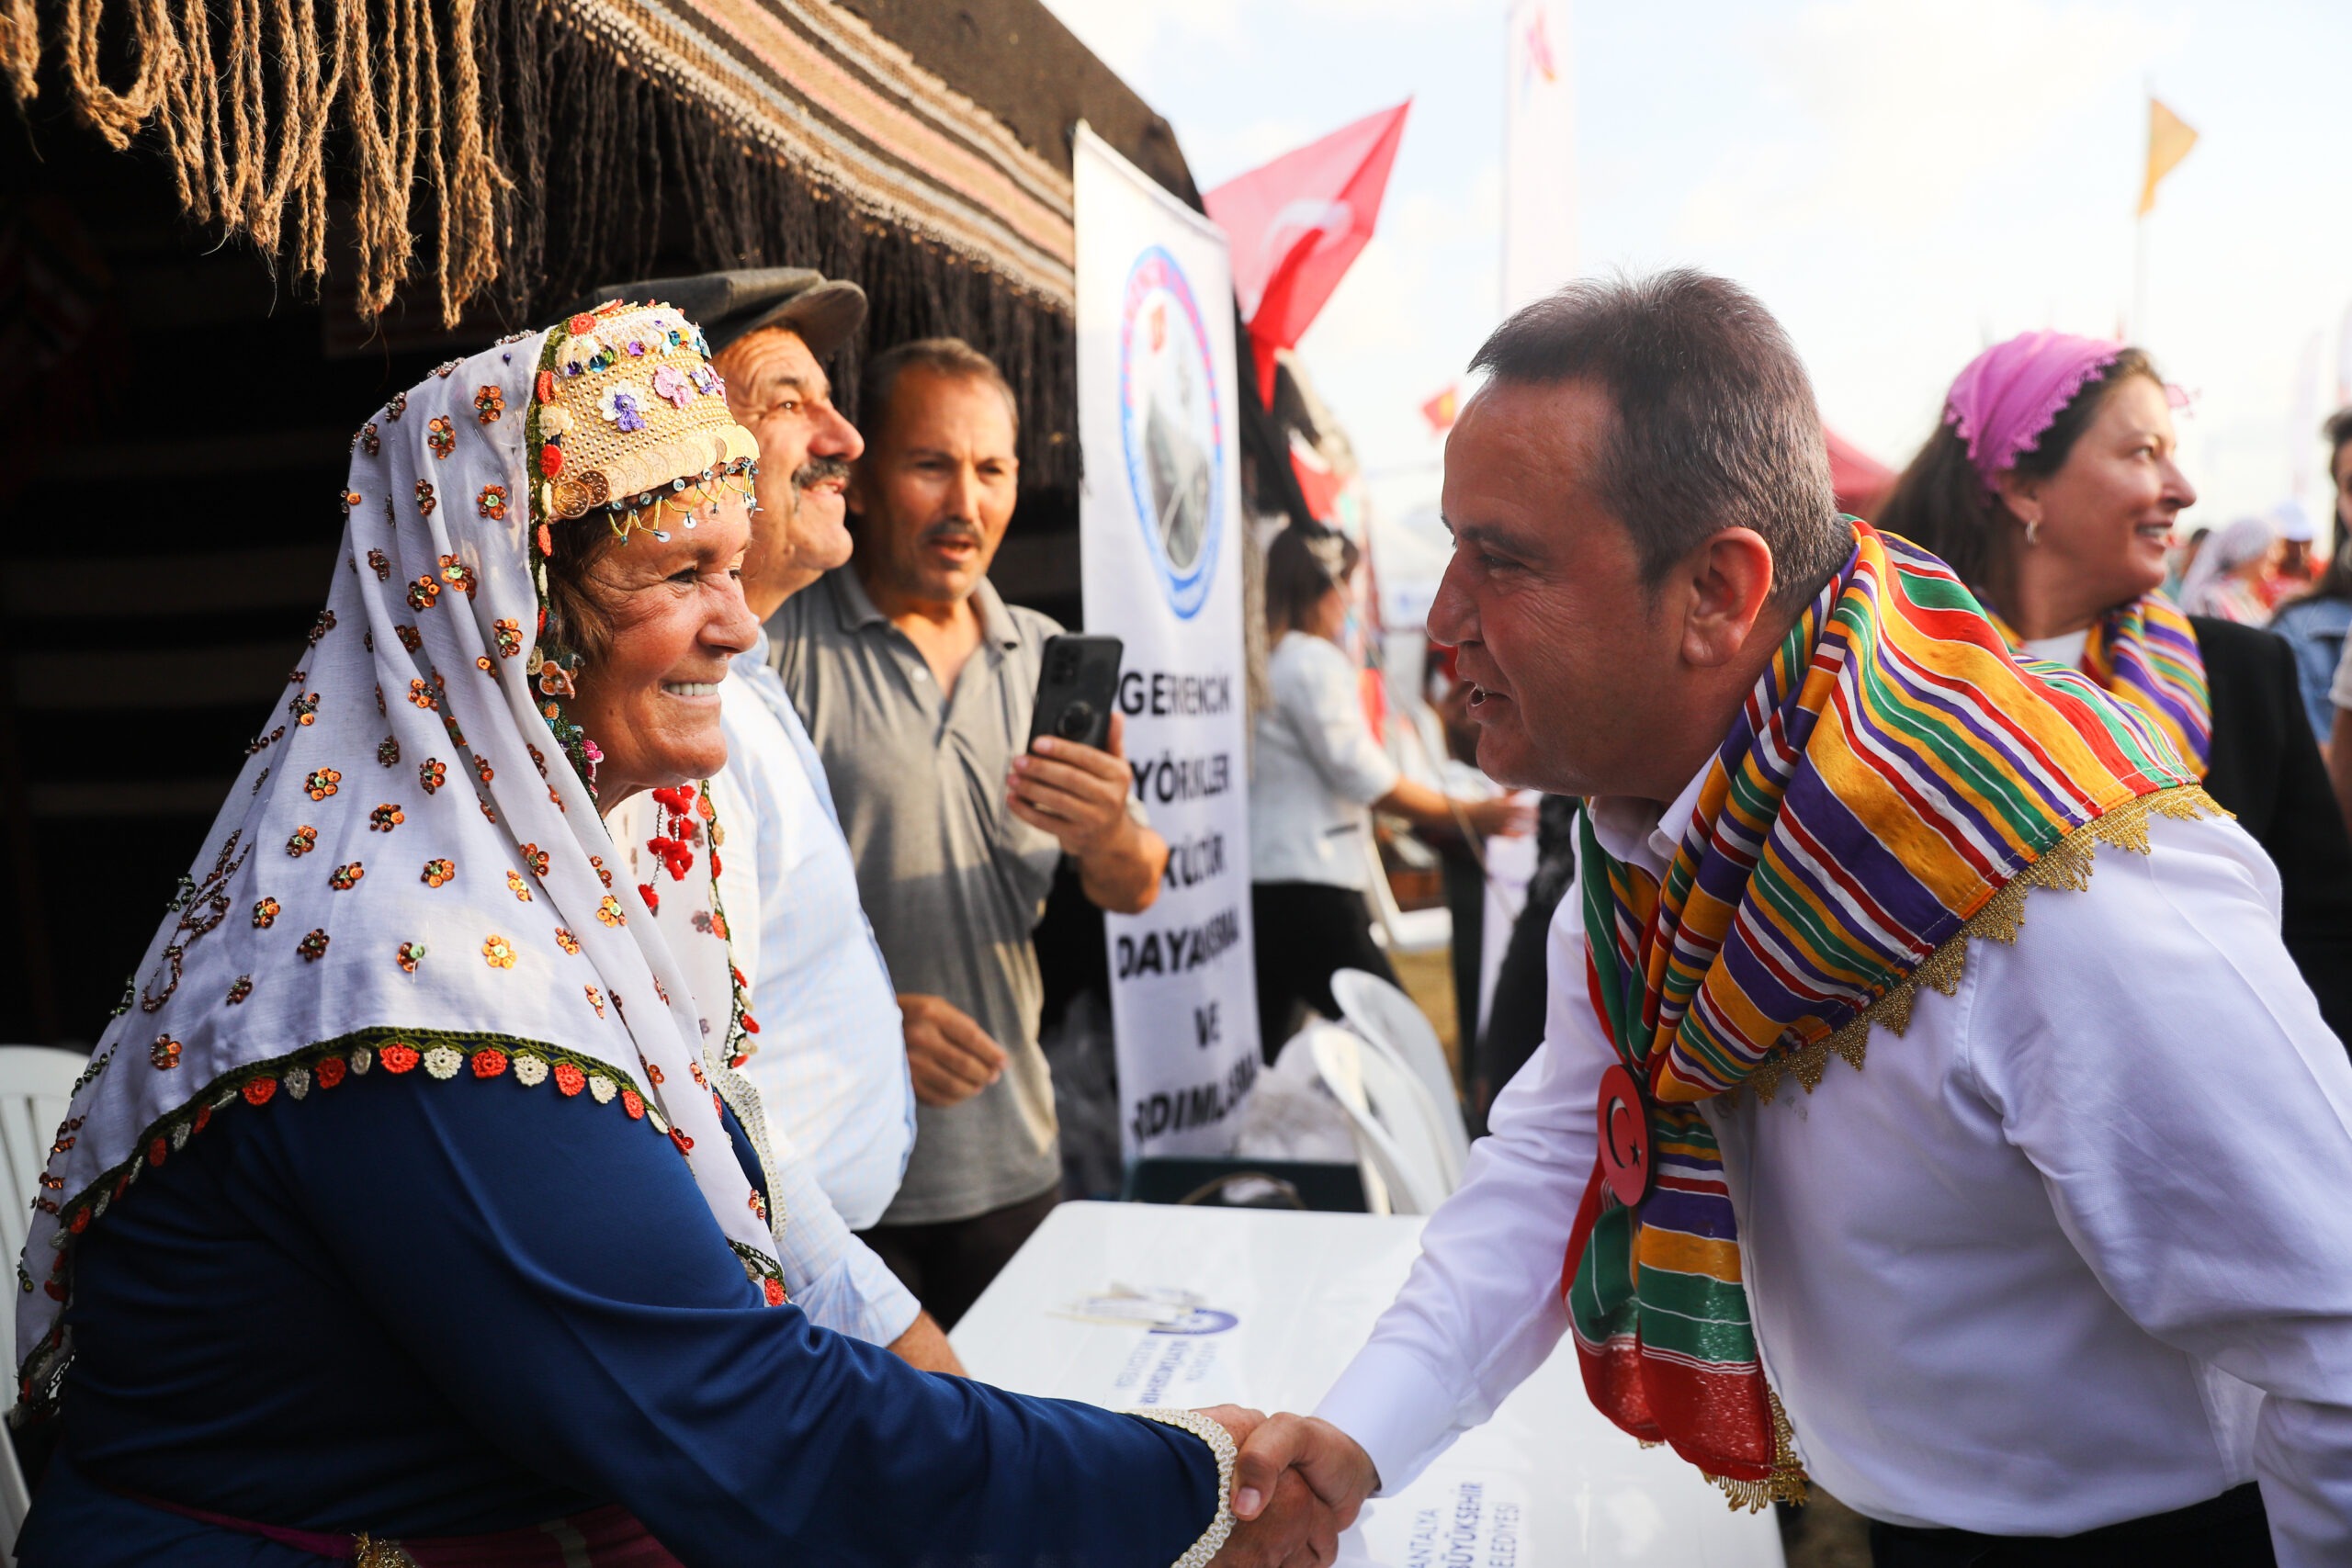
729	305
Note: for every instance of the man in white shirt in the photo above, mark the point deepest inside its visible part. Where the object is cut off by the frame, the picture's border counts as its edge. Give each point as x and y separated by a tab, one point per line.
831	1060
2063	1274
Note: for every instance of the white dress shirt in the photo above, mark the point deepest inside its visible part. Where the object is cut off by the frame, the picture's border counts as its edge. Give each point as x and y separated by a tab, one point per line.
1314	768
831	1276
832	1062
2075	1250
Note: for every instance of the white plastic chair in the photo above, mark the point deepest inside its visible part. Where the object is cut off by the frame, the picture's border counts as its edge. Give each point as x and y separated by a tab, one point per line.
1412	1120
1400	930
1393	1141
1385	1015
36	1082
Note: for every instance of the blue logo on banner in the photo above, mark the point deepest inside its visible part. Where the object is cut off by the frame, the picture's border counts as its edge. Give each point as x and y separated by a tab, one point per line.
1171	428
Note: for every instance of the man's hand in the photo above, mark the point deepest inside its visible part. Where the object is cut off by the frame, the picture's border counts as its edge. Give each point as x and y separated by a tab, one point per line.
1079	795
924	1348
1076	792
949	1056
1284	1451
1295	1531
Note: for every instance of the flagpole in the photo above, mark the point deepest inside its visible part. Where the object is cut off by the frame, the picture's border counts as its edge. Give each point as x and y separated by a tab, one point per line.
2140	280
2139	231
1502	252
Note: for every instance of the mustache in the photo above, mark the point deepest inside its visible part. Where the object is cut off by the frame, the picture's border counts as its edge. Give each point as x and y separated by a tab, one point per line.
817	470
954	528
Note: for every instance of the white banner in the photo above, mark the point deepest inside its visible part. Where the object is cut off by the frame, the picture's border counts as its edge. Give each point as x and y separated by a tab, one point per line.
1539	154
1160	537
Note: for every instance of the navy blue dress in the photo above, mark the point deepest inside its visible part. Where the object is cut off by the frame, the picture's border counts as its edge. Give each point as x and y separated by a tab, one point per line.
419	1308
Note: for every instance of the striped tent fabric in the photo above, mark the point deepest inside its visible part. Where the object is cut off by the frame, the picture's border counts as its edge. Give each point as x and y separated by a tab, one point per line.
1896	783
820	89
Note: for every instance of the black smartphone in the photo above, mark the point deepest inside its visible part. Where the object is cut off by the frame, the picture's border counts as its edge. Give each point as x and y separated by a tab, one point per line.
1077	684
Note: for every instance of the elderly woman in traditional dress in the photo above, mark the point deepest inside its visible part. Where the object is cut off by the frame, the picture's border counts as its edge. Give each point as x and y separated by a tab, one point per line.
404	1214
2051	487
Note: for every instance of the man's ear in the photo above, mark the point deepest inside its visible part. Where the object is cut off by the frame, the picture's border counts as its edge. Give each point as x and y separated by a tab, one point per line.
1728	581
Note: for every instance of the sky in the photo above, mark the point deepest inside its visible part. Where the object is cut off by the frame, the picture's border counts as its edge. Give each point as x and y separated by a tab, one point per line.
1900	181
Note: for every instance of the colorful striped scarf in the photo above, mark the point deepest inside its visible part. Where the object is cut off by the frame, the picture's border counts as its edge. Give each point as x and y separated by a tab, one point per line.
2146	653
1895	784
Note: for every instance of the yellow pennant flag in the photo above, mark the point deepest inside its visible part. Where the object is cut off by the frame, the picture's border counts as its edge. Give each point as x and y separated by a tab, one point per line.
2169	140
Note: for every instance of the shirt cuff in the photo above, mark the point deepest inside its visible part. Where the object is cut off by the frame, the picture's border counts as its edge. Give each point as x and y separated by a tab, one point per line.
1374	780
1397	1410
859	1295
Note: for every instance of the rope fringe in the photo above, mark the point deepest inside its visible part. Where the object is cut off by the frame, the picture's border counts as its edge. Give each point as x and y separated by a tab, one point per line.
520	149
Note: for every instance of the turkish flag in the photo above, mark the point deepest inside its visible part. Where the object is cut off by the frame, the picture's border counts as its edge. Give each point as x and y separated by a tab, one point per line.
1296	224
1440	411
1319	482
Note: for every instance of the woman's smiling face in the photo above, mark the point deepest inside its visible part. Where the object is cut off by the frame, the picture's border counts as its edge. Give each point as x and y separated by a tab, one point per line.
2107	515
676	616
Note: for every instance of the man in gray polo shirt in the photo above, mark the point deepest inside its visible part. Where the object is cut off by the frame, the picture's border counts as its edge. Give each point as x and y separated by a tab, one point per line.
916	682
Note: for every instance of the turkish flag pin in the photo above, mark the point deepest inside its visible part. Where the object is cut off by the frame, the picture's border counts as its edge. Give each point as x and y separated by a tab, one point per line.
1624	1136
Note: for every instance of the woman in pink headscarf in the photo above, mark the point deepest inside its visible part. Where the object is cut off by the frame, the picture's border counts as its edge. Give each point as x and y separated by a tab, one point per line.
2051	486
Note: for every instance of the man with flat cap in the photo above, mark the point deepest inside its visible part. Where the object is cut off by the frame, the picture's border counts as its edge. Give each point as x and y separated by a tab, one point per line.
830	1061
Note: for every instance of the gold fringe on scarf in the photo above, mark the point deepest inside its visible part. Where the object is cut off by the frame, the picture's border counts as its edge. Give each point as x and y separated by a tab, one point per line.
1786	1484
2065	864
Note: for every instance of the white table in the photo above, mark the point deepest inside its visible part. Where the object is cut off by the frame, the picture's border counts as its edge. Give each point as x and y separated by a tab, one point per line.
1548	1484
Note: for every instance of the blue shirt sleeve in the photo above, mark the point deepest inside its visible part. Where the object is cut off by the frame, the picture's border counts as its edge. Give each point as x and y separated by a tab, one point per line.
556	1276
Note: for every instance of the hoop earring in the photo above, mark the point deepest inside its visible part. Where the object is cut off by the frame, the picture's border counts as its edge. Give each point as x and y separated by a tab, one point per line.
2033	531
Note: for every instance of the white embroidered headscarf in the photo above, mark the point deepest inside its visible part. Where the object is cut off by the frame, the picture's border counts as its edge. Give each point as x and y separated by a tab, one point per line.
408	876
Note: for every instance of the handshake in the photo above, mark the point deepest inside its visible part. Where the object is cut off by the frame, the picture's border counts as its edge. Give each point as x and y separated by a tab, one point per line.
1298	1482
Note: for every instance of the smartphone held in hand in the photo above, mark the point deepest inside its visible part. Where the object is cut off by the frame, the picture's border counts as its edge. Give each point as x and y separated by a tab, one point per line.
1077	686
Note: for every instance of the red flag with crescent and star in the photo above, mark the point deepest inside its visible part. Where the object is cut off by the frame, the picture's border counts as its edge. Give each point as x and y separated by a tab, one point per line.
1296	225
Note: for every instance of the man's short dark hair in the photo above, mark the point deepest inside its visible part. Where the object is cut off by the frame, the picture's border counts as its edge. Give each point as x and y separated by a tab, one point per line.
1716	426
948	357
2337	433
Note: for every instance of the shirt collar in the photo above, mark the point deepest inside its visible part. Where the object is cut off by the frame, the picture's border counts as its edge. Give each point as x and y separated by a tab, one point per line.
757	654
856	609
1637	832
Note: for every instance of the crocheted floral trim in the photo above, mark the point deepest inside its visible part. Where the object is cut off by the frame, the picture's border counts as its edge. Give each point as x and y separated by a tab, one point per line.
762	1271
441	1054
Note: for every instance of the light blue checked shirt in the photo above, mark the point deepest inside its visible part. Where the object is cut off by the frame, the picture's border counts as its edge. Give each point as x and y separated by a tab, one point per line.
832	1063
